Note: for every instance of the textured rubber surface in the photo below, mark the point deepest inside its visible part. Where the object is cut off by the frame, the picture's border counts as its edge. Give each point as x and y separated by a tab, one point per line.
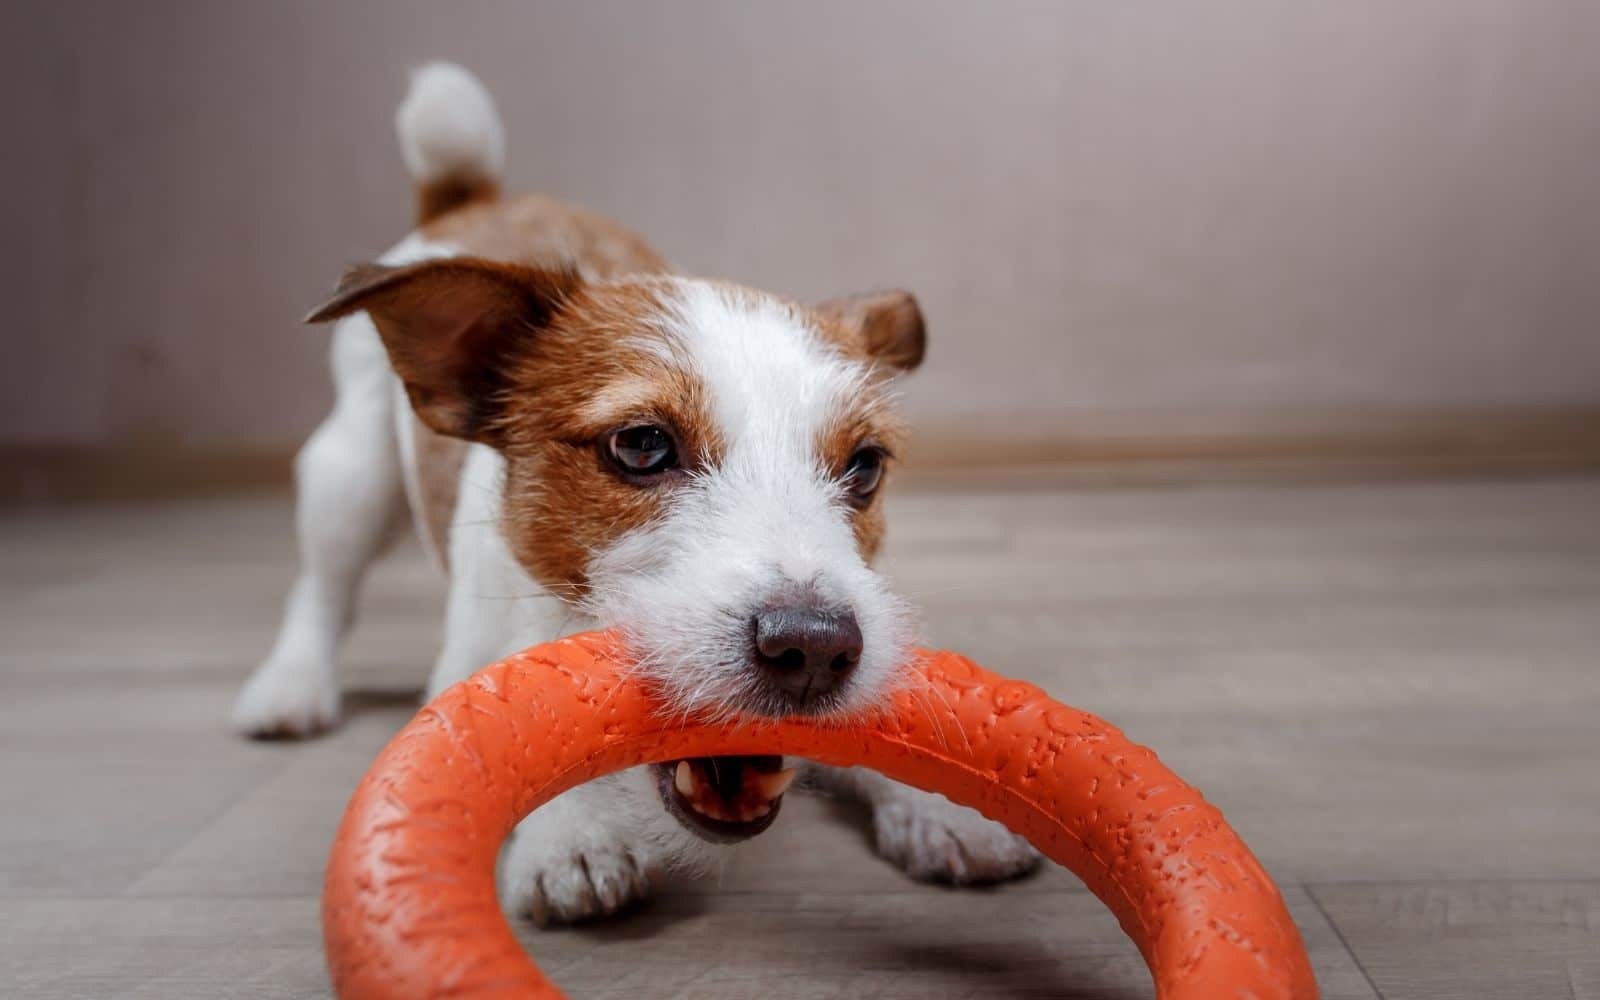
409	908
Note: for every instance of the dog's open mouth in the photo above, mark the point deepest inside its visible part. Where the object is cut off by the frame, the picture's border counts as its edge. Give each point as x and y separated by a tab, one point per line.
724	799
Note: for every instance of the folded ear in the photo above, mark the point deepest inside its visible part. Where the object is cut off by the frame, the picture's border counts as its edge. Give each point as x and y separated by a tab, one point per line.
889	325
452	327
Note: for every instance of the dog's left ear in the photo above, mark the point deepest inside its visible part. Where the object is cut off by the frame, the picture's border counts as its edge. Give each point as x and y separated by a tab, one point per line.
453	328
889	325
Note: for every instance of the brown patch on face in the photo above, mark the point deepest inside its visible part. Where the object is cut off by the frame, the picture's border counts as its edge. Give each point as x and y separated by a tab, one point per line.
533	232
590	373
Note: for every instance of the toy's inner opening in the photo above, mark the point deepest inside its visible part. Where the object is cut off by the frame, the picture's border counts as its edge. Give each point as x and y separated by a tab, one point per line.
724	798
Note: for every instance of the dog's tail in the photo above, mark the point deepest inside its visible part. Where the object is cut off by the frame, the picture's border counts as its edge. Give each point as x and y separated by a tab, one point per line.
451	139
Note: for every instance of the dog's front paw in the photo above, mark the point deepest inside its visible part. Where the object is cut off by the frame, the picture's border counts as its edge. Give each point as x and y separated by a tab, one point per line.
933	839
287	700
563	879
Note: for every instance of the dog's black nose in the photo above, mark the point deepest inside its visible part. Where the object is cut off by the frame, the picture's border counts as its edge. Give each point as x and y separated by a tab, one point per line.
806	652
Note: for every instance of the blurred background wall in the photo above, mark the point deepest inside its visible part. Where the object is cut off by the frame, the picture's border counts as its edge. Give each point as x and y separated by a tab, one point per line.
1129	224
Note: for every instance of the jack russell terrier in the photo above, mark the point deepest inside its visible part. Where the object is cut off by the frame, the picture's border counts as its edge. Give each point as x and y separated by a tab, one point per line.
587	439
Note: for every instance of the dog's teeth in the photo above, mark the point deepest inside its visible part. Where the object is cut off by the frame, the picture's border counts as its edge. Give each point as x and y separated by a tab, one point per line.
760	794
775	784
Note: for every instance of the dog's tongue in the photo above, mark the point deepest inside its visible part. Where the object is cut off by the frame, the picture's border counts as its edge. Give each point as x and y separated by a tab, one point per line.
732	789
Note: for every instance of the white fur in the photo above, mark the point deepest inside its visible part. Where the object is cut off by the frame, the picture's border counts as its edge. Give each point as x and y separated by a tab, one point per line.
448	126
770	519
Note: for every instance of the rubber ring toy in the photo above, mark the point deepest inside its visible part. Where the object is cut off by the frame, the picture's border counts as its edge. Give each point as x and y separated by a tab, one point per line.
409	907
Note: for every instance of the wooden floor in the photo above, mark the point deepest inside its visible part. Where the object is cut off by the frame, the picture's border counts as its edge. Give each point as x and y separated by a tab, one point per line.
1393	691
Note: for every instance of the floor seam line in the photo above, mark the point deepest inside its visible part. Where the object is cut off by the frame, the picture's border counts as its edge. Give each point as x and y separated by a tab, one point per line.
1344	942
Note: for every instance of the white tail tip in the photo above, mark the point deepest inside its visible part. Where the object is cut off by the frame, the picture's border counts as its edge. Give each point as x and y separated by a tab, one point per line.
448	126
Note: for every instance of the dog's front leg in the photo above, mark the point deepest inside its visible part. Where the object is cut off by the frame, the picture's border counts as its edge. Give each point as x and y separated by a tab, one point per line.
927	835
595	851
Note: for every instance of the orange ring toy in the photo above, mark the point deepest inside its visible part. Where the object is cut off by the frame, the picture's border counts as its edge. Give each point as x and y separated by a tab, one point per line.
409	908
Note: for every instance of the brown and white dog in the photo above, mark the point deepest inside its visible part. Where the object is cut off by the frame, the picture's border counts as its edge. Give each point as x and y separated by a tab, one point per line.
593	440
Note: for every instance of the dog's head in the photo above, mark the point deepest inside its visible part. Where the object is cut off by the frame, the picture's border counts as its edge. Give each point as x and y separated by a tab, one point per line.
696	463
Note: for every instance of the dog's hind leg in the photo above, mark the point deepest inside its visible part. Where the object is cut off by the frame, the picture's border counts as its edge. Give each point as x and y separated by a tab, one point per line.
348	482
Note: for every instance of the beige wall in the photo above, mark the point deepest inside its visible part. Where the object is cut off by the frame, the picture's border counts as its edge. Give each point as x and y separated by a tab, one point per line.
1107	208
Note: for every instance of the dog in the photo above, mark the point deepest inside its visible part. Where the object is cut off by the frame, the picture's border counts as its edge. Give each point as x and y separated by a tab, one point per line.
586	438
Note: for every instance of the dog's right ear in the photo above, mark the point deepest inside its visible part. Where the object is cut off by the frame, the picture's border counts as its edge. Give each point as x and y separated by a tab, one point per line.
888	324
452	327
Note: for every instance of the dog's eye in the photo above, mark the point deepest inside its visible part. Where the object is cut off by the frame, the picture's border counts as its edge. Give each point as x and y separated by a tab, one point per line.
642	451
864	473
